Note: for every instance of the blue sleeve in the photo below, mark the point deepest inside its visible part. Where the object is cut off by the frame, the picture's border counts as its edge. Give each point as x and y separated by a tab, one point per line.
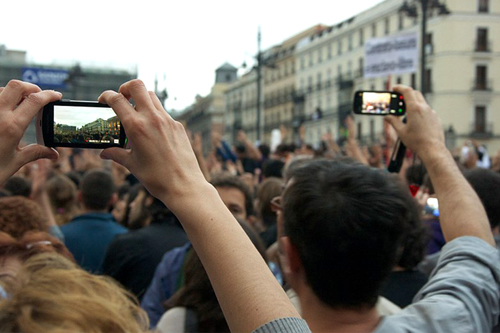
229	152
163	285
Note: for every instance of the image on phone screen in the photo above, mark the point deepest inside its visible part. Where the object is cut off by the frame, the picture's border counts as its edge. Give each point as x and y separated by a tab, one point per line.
85	125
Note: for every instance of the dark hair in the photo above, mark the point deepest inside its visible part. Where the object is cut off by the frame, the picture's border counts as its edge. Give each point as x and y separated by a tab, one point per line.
273	168
97	189
227	180
4	193
486	183
75	177
264	150
197	293
415	174
347	222
18	186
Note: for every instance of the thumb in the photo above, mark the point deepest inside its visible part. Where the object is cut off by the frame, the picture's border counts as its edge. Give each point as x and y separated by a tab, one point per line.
34	152
119	155
395	122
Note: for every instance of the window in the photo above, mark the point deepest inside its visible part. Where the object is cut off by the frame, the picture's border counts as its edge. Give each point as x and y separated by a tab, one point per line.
349	42
413	81
482	40
428	81
398	80
386	26
310	59
481	76
329	52
484	6
339	47
428	43
361	67
302	62
309	83
372	130
349	68
360	130
400	21
320	56
480	119
318	85
339	71
374	30
328	77
361	37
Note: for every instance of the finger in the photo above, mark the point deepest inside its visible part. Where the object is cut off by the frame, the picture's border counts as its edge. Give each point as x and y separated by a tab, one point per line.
159	106
420	98
396	123
137	90
119	103
119	155
35	152
30	106
14	92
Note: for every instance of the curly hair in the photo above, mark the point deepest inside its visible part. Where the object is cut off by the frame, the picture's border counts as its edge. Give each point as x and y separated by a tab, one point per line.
19	215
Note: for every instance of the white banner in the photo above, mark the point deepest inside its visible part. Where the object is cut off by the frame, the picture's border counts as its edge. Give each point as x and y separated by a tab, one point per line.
391	55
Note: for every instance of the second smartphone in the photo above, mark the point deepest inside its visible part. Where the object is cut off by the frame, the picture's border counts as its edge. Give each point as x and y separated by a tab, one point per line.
79	124
379	103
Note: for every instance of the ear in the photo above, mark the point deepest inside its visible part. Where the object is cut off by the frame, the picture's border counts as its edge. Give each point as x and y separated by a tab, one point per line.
291	255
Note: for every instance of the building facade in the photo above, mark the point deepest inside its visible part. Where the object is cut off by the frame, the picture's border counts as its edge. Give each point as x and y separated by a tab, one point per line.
462	71
206	114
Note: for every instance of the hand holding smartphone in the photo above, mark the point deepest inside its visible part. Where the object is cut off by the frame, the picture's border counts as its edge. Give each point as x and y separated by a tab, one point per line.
79	124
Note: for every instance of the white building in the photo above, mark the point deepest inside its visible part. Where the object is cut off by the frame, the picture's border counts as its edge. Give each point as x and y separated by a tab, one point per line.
463	70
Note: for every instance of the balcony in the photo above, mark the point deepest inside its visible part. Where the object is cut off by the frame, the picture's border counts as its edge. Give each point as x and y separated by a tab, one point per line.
482	46
481	131
482	85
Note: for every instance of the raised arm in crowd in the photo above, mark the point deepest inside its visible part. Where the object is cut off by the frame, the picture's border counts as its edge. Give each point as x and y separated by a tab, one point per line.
314	210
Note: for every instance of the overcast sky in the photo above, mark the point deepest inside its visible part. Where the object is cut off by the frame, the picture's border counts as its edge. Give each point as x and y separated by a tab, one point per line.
181	41
71	116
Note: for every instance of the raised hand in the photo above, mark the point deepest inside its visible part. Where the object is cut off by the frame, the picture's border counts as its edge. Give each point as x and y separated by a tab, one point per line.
19	103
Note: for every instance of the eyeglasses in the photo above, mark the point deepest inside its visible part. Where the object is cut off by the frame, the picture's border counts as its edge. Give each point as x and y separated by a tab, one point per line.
276	204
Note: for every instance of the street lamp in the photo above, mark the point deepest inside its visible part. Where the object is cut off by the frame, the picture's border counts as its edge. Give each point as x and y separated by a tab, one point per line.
410	9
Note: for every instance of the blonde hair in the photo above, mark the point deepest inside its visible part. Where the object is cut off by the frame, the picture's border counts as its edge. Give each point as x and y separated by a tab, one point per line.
54	295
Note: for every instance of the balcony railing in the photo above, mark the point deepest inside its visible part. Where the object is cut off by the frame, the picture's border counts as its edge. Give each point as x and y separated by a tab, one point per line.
482	85
482	46
478	130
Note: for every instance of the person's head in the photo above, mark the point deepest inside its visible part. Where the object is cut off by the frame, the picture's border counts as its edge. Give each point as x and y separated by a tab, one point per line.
54	295
4	193
13	252
137	214
267	191
415	174
343	223
62	194
18	186
486	183
273	168
235	194
97	190
120	208
197	292
19	215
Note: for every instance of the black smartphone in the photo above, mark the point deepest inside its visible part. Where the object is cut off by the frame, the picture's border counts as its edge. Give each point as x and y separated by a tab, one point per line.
379	103
79	124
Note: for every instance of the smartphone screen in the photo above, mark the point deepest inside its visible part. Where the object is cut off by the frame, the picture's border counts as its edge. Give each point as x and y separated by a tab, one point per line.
85	125
81	124
379	103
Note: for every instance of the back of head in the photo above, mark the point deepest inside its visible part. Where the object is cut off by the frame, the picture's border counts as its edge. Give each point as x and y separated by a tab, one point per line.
97	189
19	215
62	194
346	221
273	168
486	183
54	295
18	186
225	180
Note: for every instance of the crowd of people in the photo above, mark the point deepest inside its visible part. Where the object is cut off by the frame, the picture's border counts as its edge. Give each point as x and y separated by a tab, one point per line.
162	237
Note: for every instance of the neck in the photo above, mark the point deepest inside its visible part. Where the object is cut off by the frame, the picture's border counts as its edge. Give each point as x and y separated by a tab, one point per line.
86	210
322	318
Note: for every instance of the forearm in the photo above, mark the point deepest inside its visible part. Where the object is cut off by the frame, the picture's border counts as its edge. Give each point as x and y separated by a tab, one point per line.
248	293
202	164
461	211
253	152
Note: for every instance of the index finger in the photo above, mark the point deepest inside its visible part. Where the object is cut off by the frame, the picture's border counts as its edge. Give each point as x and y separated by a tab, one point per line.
14	92
119	103
137	90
